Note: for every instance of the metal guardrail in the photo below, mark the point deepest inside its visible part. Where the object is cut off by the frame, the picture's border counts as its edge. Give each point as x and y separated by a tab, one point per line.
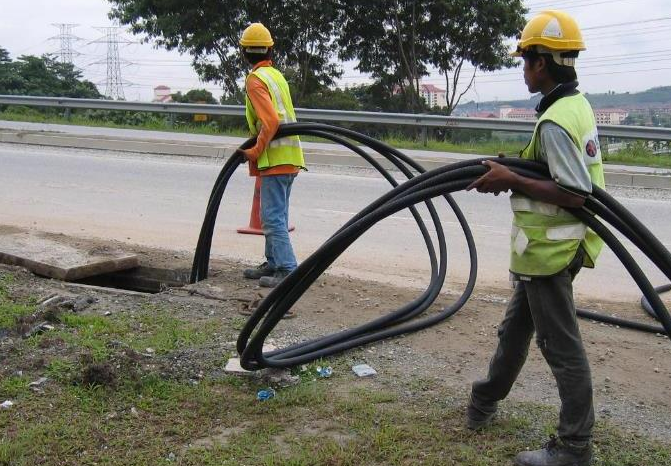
405	119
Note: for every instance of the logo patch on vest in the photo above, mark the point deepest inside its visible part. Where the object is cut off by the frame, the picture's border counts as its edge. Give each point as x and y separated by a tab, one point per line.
591	148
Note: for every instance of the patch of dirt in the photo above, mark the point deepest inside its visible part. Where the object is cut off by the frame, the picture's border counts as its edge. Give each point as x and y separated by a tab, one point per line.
220	436
336	434
102	374
631	371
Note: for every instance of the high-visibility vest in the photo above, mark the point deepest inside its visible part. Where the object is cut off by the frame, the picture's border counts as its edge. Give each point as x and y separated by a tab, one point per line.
282	151
545	237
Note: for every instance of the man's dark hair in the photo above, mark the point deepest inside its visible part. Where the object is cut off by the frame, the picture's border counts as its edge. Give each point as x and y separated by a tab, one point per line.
254	58
559	73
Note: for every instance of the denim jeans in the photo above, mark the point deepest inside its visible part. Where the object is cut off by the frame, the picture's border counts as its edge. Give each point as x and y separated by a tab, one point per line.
275	192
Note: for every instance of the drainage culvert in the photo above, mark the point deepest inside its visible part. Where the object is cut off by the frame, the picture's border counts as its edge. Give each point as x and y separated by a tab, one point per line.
142	279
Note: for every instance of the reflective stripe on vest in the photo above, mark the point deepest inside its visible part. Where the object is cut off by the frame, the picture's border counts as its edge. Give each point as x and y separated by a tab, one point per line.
524	204
279	98
282	151
545	237
575	231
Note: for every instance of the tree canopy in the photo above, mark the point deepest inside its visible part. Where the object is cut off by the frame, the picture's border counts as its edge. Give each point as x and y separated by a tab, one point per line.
396	41
194	96
209	30
42	76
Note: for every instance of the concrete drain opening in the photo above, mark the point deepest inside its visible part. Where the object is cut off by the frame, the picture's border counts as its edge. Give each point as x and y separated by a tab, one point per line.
142	279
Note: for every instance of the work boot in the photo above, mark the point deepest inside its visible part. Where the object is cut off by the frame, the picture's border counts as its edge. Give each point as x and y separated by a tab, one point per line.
274	280
263	270
556	453
478	418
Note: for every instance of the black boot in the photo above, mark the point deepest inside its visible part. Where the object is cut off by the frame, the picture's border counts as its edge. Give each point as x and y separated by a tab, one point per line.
263	270
557	453
479	416
274	280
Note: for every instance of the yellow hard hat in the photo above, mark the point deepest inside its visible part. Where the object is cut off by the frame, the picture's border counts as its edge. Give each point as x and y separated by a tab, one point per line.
551	31
256	35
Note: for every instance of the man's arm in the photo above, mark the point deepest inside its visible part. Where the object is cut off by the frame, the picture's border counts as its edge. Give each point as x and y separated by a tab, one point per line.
265	111
499	178
570	178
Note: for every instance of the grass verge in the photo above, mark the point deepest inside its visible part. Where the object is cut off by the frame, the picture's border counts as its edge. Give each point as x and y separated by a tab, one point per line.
106	403
634	155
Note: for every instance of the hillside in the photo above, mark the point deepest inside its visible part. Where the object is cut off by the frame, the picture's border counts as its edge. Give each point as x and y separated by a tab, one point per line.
657	96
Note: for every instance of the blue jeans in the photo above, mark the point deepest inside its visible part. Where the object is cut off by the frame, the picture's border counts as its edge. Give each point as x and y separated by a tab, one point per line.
275	192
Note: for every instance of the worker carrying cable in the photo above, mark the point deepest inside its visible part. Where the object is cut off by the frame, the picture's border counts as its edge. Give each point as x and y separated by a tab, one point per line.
548	244
267	105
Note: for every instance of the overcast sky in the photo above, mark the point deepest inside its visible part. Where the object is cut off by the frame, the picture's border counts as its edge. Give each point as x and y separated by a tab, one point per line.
628	47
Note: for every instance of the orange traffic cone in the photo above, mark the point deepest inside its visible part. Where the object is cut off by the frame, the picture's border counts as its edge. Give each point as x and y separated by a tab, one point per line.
255	227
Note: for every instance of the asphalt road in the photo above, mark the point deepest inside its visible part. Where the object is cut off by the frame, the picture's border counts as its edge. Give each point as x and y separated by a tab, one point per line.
160	201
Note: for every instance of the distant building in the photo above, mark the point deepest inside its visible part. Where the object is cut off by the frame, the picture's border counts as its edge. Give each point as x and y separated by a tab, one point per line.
610	116
504	110
642	109
433	96
511	113
162	94
604	116
663	110
485	114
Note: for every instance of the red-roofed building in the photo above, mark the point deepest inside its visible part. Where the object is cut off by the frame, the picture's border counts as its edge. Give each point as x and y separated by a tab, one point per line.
482	115
511	113
433	95
162	94
610	116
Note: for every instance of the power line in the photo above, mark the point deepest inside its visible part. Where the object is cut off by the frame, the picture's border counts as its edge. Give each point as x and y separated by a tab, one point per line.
628	23
587	74
615	35
581	5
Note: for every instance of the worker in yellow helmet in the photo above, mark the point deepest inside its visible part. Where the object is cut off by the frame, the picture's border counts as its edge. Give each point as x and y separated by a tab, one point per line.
268	104
548	244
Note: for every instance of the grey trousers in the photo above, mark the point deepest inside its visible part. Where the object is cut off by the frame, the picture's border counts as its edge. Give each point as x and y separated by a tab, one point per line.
544	305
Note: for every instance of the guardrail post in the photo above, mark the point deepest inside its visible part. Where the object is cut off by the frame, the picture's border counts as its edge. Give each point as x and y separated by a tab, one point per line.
171	120
68	113
425	136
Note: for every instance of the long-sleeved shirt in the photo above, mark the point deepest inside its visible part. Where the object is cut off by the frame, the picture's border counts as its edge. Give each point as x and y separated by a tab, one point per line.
265	111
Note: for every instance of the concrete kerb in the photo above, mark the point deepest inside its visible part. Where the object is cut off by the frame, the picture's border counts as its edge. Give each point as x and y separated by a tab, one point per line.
319	157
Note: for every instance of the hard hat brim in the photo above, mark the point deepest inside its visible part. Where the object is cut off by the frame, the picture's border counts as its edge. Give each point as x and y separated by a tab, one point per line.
255	43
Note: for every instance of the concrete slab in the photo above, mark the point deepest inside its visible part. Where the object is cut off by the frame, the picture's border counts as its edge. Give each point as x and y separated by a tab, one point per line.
50	258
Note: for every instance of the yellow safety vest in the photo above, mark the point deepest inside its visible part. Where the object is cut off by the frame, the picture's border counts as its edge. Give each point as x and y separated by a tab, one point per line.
282	151
545	237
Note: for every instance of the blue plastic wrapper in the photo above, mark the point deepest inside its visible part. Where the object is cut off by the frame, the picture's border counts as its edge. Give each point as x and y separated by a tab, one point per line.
265	394
325	372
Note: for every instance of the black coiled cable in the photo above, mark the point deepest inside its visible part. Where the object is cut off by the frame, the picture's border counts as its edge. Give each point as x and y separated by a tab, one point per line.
421	187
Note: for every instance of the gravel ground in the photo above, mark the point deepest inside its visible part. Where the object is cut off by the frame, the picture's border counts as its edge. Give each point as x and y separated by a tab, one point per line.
631	371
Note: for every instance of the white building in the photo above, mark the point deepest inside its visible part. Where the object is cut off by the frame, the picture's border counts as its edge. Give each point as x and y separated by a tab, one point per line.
433	96
610	116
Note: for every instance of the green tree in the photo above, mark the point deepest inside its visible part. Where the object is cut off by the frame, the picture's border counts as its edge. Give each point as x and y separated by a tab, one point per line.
471	32
209	31
195	96
333	99
398	40
10	80
42	76
388	41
